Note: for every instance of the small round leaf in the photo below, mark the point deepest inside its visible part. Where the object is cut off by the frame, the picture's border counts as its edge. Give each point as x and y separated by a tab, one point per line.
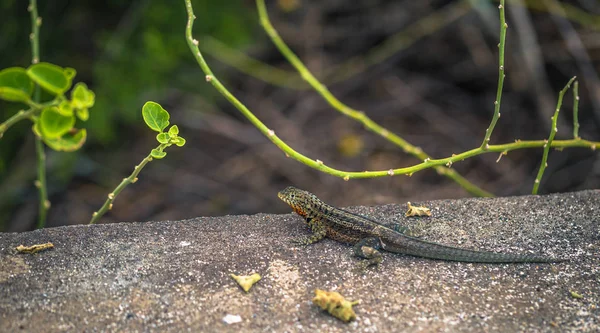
70	73
83	114
15	85
158	154
155	116
82	97
65	108
174	131
54	79
68	142
53	124
179	141
163	137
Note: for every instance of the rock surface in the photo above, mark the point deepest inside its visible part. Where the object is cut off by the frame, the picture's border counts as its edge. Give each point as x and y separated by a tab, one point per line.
174	275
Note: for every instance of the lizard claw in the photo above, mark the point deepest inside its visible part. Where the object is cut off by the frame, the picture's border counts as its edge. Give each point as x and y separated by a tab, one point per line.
300	241
361	266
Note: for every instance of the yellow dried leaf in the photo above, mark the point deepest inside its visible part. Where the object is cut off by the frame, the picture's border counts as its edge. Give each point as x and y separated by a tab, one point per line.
34	248
335	304
417	211
246	281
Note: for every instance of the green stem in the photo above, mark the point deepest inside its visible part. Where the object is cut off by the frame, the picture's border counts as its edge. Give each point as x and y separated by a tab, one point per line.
501	47
346	175
33	111
553	131
576	110
40	183
36	22
356	114
21	115
126	181
44	203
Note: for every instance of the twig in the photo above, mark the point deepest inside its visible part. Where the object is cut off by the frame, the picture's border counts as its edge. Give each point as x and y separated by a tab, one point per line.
576	110
21	115
40	183
126	181
36	22
553	131
501	46
270	134
349	68
357	115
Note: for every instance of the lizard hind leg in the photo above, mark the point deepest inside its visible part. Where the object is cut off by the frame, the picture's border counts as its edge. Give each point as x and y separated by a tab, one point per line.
368	248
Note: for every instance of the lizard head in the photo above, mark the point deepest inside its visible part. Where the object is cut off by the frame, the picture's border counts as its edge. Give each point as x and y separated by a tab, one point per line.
298	199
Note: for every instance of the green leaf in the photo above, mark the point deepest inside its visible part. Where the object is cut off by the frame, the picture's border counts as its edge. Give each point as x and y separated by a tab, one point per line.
15	85
174	131
65	108
82	97
179	141
83	114
155	116
163	137
53	124
36	129
54	79
68	142
158	154
70	73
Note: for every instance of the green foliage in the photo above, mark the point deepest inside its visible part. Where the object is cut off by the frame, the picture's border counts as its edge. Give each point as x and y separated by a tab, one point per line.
149	57
15	85
155	116
158	154
174	130
53	124
53	121
81	100
157	119
52	78
71	141
162	137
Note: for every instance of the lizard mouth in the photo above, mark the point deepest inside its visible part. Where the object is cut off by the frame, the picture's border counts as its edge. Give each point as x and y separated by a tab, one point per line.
283	198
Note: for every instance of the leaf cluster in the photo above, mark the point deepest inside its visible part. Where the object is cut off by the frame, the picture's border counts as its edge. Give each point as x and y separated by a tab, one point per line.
157	119
53	121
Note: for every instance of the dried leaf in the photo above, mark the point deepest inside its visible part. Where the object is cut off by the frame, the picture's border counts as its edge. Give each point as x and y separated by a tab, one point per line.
34	248
417	211
575	294
246	281
335	304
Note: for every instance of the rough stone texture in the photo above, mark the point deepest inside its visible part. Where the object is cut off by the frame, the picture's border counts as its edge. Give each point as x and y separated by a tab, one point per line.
174	275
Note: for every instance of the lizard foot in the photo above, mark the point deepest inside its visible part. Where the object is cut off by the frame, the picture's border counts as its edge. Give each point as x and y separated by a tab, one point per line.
362	265
305	240
368	249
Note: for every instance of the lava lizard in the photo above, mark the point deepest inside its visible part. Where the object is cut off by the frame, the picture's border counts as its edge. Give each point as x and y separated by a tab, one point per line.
369	236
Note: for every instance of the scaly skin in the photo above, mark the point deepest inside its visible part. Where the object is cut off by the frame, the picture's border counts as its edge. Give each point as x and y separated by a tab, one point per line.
370	236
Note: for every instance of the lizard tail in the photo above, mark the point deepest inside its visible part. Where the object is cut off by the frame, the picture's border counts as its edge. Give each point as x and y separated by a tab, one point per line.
420	248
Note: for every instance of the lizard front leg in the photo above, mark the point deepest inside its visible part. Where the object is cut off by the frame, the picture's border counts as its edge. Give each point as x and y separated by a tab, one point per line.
367	248
319	231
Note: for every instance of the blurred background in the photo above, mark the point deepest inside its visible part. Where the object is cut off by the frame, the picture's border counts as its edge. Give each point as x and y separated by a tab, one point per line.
426	70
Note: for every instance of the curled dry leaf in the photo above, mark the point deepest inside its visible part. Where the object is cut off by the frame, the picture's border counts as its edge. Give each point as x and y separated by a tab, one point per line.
246	281
335	304
417	211
34	248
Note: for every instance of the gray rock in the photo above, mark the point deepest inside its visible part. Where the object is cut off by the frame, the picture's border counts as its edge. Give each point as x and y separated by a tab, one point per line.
174	275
